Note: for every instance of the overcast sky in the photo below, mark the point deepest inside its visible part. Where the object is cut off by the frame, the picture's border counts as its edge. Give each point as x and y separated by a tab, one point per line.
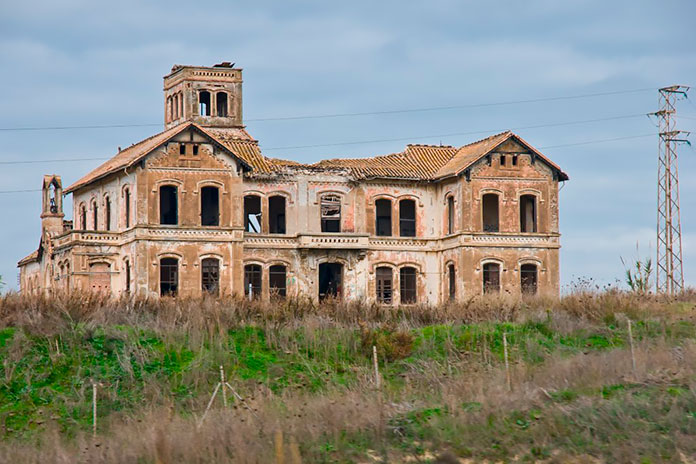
73	63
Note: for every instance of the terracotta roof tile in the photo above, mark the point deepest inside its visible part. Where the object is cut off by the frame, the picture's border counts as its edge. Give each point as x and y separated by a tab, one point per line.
239	142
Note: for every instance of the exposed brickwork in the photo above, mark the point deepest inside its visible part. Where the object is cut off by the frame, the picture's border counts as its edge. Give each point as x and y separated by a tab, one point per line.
206	165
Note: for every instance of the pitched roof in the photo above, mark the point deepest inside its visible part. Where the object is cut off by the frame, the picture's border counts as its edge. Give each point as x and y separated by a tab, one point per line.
416	162
236	140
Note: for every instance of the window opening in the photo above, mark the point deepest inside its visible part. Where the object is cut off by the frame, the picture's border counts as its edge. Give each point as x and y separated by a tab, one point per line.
450	215
330	213
407	218
383	224
252	214
276	214
127	201
385	285
452	282
407	285
83	217
107	213
491	278
221	102
169	276
528	278
210	206
528	222
95	216
252	281
128	277
168	205
489	205
277	281
204	103
182	148
195	150
210	276
330	280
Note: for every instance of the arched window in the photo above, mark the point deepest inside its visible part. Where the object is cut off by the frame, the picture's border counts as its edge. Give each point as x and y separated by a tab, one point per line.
407	285
252	214
330	213
204	103
170	109
528	216
385	285
489	206
407	218
450	214
252	281
168	203
95	215
210	206
107	213
210	276
83	217
276	214
491	278
180	106
277	281
169	276
452	280
383	219
528	278
221	104
126	205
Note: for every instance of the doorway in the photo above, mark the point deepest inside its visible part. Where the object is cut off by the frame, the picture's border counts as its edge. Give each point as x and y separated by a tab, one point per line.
330	280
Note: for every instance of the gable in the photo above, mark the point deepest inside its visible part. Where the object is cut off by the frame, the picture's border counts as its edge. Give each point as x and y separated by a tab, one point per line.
194	150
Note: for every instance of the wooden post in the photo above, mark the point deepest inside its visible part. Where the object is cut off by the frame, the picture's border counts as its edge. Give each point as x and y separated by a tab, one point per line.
94	409
374	361
222	382
279	445
507	365
630	341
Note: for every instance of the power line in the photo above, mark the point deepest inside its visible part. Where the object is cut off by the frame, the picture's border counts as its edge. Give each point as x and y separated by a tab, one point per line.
358	142
356	114
587	142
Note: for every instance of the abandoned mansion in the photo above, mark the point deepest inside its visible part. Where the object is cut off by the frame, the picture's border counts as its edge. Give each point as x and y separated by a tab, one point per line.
199	209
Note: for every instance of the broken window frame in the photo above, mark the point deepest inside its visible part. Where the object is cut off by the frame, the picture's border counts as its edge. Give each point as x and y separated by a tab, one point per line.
277	214
278	281
249	225
330	213
204	100
169	276
253	281
210	206
529	278
408	285
525	220
168	216
383	222
407	225
384	285
490	216
210	276
491	276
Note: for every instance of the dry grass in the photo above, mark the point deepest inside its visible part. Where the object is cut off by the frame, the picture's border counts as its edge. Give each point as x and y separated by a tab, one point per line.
585	407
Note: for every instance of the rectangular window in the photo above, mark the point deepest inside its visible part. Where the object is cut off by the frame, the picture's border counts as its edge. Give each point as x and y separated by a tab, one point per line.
252	281
384	285
452	282
450	215
252	214
491	278
407	285
210	206
489	206
168	205
169	276
210	276
383	224
277	281
276	214
330	213
407	218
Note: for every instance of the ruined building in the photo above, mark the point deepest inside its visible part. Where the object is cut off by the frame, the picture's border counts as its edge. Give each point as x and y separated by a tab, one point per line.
199	209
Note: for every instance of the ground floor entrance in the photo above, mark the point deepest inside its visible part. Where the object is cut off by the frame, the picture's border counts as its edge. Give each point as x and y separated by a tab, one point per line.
330	280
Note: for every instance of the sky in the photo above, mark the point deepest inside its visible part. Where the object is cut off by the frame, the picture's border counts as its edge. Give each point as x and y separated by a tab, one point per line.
77	63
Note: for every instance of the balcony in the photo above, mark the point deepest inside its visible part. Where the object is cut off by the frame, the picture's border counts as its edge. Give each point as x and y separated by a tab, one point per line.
343	241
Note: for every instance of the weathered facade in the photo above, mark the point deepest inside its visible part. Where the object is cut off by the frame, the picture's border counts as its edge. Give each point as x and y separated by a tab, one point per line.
198	208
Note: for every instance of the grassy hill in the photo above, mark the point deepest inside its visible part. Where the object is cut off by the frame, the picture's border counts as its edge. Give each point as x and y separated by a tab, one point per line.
573	390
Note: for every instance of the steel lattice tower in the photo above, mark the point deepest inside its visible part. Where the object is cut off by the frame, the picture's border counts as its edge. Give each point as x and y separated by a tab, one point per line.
670	276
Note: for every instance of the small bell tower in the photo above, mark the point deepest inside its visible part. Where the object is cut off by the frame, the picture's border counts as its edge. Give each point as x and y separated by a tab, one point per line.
208	96
52	204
